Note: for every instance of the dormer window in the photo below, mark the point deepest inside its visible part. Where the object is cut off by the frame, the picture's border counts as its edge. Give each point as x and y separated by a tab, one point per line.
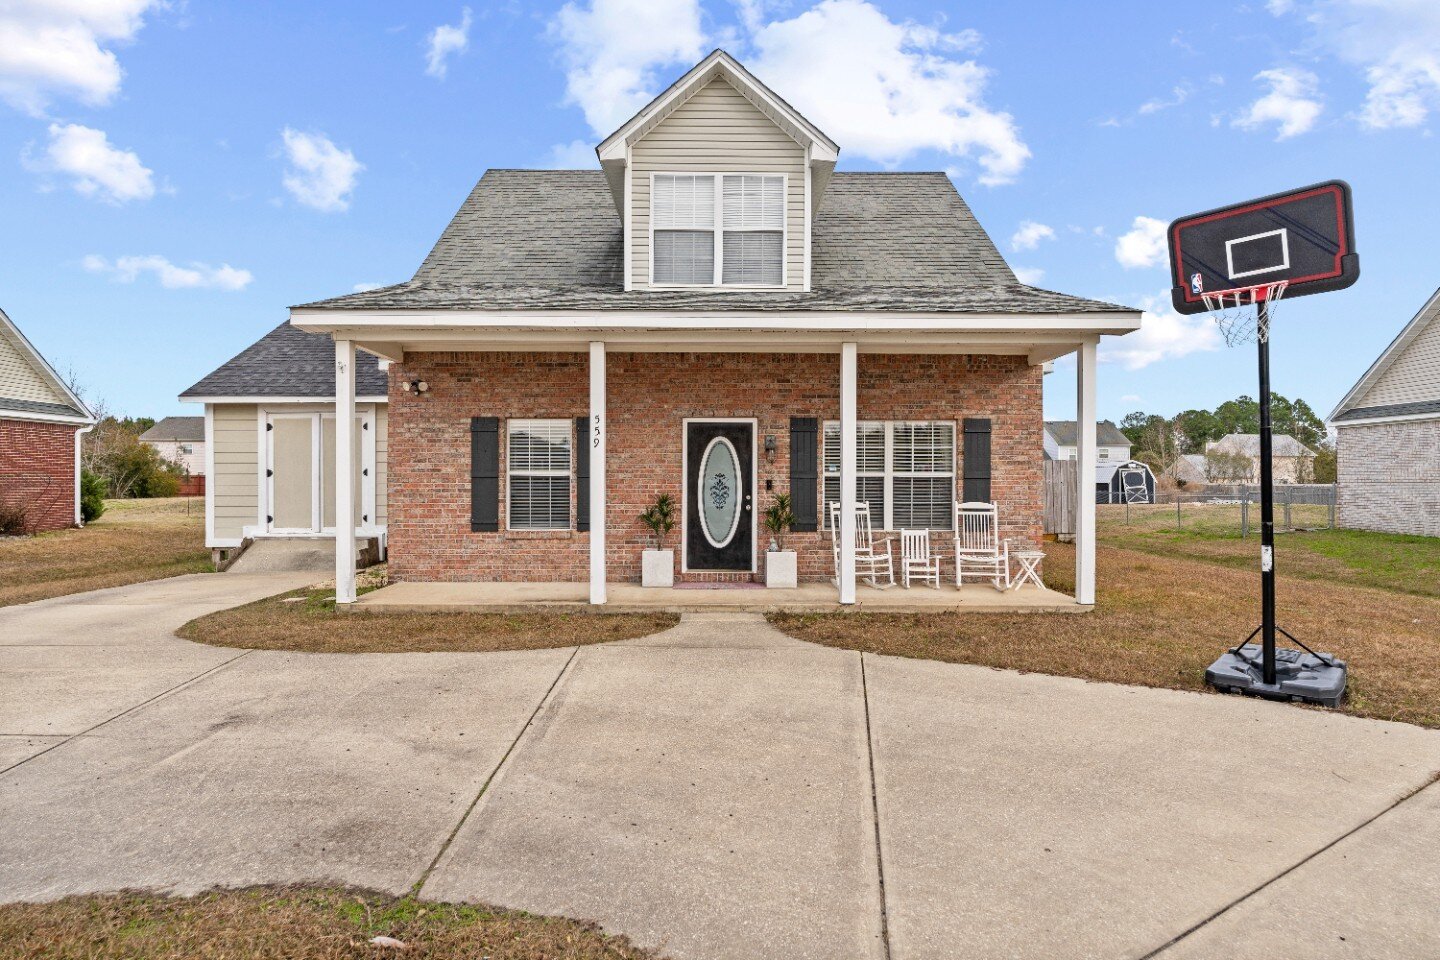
747	249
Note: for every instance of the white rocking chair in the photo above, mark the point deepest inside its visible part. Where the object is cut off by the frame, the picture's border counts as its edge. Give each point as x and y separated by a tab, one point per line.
871	563
916	560
979	551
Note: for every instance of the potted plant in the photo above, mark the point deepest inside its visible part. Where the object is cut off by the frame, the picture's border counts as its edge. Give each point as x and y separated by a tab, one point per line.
657	567
779	562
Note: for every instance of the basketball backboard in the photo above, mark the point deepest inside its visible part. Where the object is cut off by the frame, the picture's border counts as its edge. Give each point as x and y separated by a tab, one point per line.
1304	238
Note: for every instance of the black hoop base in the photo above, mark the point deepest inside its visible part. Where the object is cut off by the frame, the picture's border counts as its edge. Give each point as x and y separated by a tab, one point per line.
1299	675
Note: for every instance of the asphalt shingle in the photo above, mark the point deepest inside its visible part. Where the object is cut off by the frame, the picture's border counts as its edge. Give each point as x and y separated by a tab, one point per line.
551	240
289	362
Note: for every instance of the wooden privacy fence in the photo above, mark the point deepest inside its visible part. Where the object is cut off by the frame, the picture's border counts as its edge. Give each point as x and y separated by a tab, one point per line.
1060	497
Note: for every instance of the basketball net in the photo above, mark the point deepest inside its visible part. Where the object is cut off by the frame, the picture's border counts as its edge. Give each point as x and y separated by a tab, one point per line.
1233	313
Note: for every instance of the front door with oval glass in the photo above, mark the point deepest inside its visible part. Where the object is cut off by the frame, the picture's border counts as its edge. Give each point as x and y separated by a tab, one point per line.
720	495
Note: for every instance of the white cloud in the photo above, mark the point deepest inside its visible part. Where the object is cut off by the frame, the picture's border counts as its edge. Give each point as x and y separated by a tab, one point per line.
885	89
1292	103
1396	43
1029	275
1131	398
612	48
1030	234
320	175
52	48
1178	95
196	276
445	40
94	166
1143	246
362	287
1163	335
575	155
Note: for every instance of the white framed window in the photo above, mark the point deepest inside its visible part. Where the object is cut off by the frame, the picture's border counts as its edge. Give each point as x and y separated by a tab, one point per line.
905	471
1103	453
537	474
711	229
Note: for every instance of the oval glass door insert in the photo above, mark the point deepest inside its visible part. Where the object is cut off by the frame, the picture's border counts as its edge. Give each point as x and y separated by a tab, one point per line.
719	493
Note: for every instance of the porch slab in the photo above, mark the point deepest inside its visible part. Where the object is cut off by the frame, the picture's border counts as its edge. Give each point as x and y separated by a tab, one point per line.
450	597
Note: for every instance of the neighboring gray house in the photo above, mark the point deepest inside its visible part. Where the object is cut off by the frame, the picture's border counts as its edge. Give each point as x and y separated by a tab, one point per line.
1388	435
1189	468
181	440
1111	446
1290	460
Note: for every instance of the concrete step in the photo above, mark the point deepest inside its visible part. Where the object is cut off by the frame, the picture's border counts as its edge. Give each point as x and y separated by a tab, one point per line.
285	554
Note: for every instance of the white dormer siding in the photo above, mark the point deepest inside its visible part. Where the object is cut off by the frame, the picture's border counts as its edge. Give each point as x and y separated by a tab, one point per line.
717	131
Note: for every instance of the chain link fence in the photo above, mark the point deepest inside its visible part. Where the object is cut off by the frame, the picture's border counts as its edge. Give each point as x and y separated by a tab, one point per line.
1227	510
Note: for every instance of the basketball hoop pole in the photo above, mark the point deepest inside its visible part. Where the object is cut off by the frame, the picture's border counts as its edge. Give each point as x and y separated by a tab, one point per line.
1267	498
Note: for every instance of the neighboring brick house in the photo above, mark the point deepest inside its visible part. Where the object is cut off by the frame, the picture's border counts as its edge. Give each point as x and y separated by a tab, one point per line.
714	314
41	420
1388	435
1290	460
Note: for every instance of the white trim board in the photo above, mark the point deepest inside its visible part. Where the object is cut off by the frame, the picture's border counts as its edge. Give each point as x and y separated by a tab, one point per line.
266	400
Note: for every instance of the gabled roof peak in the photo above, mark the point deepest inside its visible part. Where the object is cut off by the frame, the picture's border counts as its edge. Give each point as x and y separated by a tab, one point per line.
719	63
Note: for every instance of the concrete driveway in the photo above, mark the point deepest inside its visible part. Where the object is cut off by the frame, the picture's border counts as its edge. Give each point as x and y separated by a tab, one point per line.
717	790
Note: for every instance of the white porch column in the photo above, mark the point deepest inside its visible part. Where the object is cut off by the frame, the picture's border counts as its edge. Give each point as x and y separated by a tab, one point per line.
1085	473
848	363
597	471
344	471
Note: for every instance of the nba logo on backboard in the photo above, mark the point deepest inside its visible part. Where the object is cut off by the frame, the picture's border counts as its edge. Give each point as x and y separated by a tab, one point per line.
1197	283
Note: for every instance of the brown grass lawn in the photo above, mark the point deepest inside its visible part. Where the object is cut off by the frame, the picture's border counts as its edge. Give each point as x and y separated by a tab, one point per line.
306	621
293	924
133	540
1160	621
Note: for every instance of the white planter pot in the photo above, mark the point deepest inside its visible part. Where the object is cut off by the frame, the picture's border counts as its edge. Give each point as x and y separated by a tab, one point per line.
780	569
657	568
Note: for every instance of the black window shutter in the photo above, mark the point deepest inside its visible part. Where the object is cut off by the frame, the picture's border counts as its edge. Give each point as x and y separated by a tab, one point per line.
582	473
977	460
484	474
804	473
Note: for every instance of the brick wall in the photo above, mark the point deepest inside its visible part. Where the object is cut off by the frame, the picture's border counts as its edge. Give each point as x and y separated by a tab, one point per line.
1389	477
650	395
37	469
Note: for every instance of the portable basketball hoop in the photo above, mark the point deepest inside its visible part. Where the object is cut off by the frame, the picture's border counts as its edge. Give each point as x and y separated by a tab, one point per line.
1237	263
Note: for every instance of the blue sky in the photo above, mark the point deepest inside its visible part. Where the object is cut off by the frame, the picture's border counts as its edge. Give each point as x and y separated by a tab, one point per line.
178	174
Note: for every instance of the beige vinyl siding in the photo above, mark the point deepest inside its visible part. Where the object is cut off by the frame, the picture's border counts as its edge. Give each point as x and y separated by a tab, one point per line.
717	131
19	380
1413	376
235	484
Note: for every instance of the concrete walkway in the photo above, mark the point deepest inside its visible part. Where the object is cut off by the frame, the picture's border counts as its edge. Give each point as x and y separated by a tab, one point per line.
717	790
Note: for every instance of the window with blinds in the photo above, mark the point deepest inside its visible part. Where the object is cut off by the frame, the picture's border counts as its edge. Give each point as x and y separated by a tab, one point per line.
733	236
537	456
904	470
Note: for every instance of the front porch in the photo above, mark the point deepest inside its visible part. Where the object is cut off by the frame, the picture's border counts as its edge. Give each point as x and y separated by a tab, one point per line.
603	426
452	597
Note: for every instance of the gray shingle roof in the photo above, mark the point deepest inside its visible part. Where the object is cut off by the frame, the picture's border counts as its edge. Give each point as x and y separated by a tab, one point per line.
1106	433
39	406
551	240
184	429
288	362
1390	410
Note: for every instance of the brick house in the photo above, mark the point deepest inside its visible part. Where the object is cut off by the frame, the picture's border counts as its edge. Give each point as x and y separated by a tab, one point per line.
1387	432
717	314
41	421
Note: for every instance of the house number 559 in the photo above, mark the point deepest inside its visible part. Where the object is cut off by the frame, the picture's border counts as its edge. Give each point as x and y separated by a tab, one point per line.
595	442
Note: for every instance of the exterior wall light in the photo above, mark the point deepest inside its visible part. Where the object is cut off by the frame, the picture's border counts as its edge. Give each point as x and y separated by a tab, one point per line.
770	448
414	386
